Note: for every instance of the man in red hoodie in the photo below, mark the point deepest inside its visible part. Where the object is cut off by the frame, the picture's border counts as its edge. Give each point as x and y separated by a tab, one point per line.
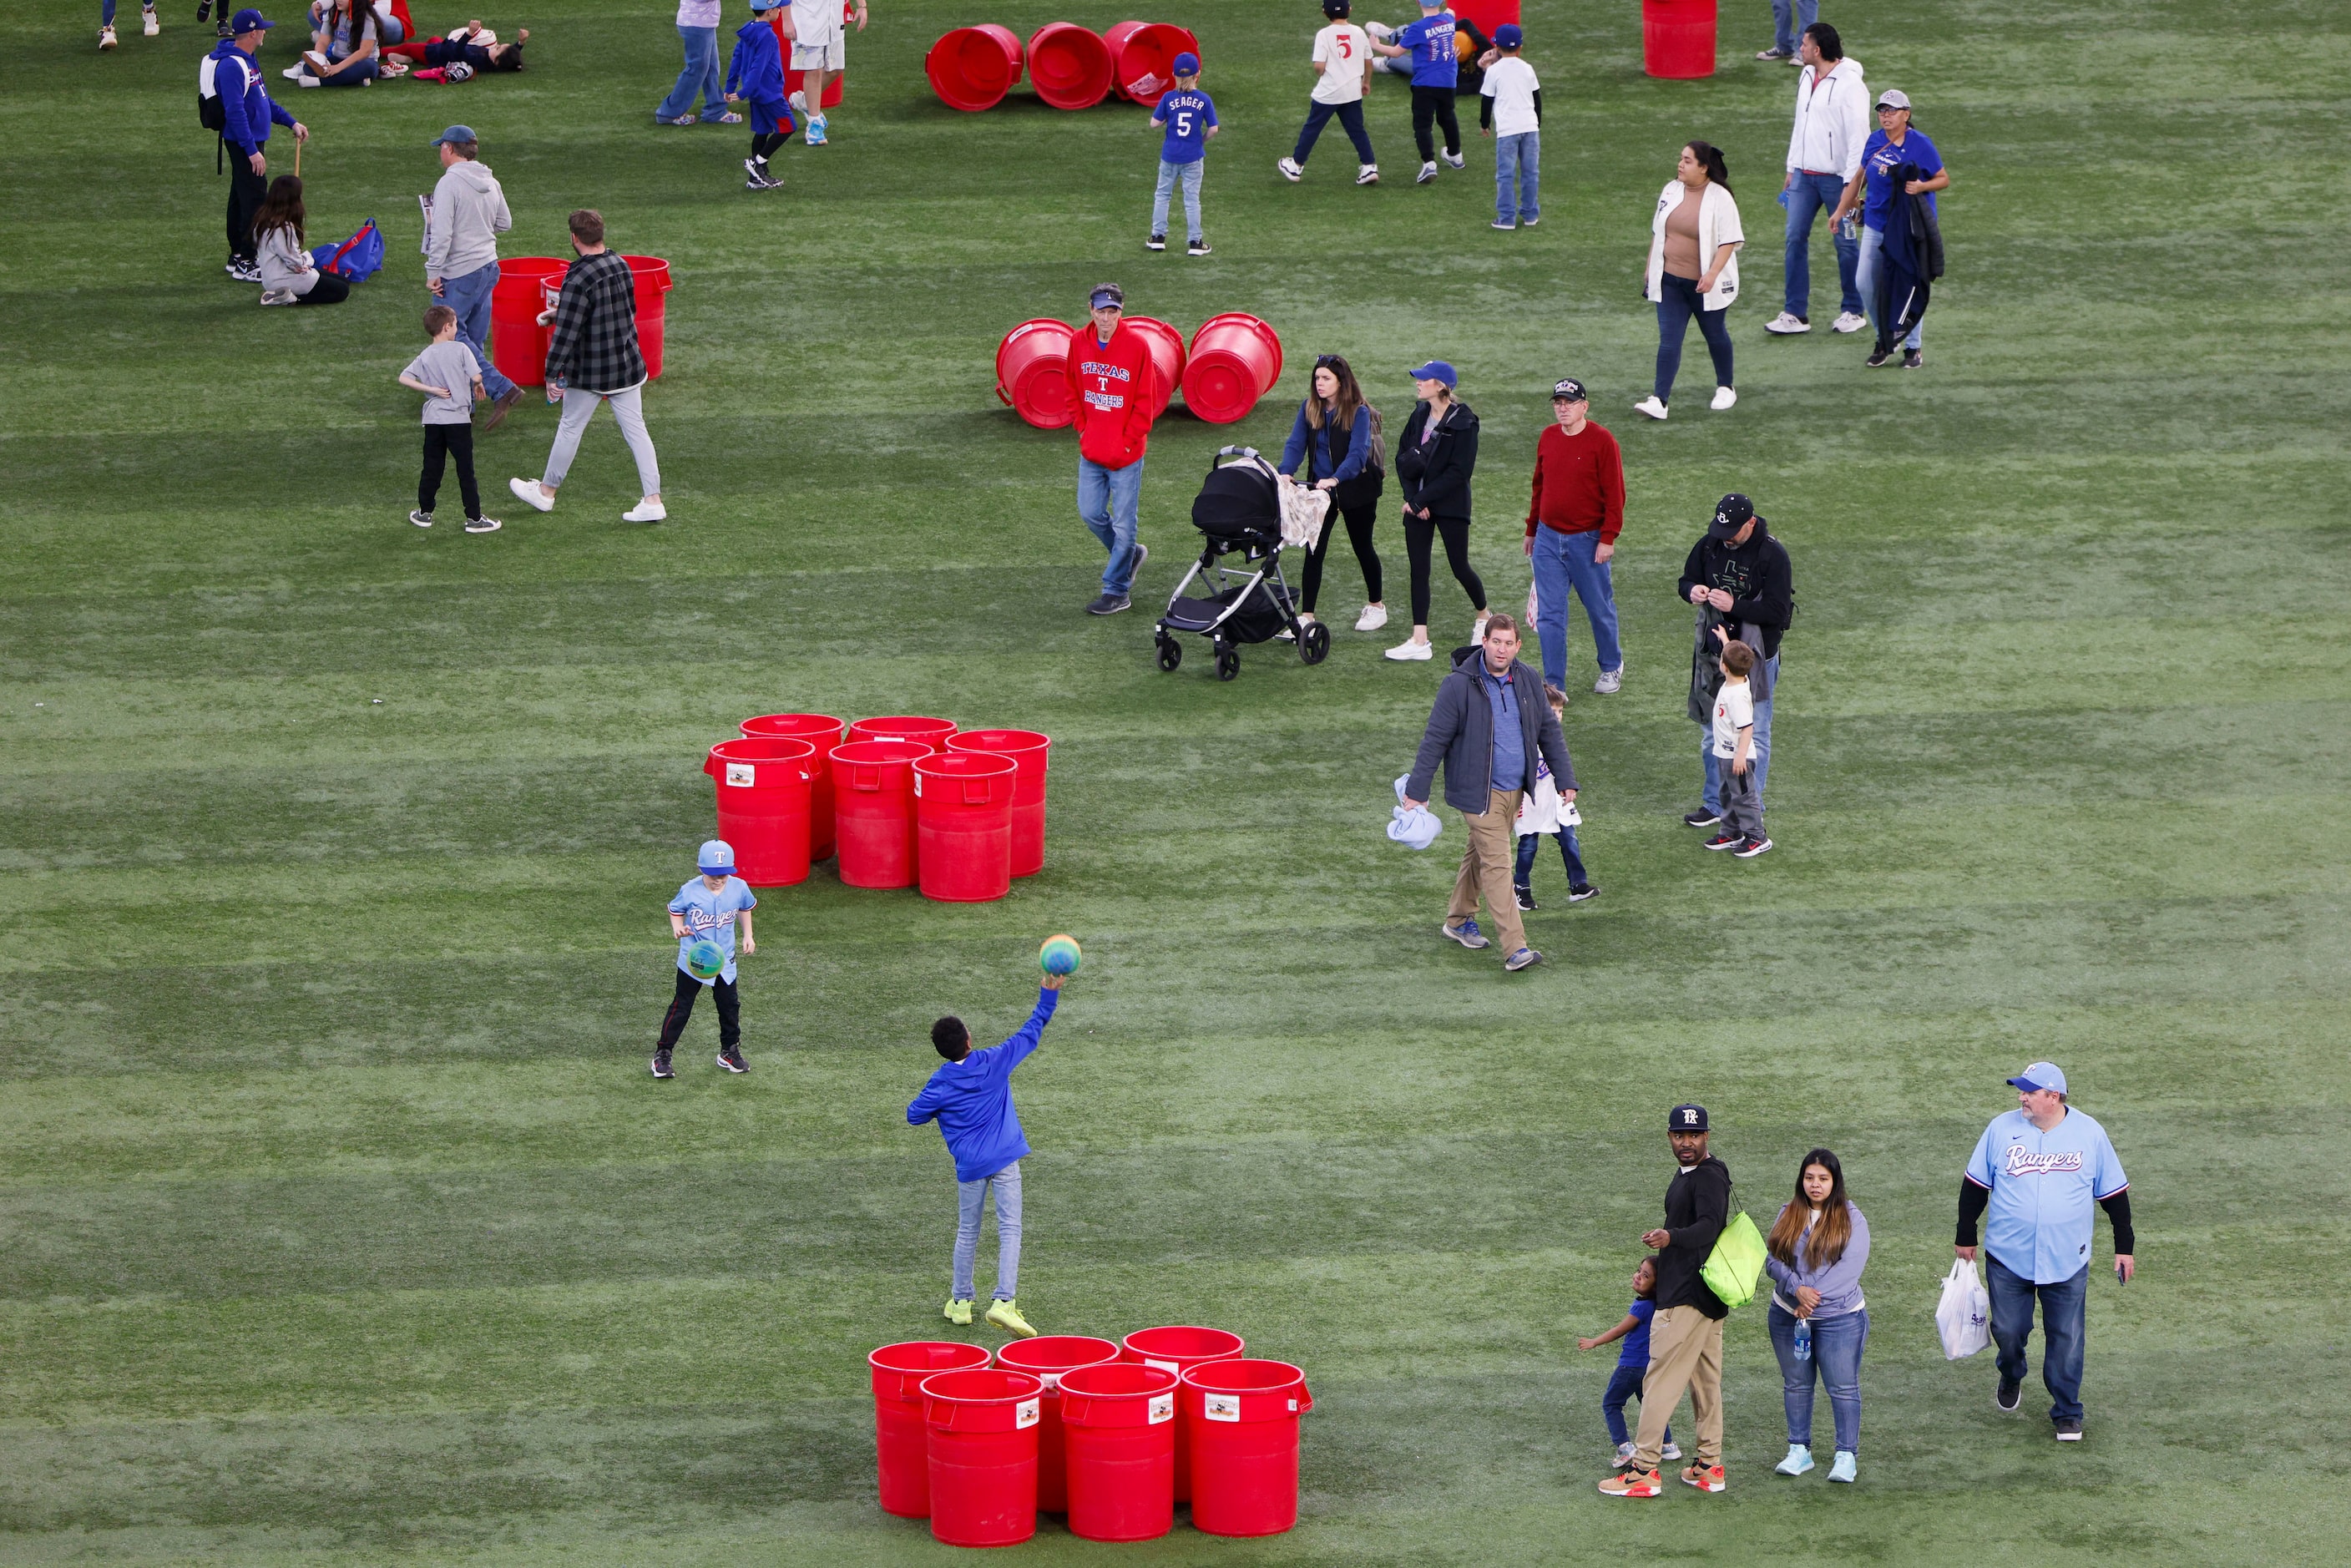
1572	520
1113	391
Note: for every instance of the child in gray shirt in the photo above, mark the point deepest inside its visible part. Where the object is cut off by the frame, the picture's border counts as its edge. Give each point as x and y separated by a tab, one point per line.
450	378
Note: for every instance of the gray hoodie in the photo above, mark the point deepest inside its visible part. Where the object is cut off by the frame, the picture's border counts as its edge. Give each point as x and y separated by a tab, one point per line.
469	212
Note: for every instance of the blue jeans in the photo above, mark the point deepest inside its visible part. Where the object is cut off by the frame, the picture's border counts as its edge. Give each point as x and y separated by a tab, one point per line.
1789	20
970	1198
1837	1345
1809	195
700	76
1563	562
1624	1383
1762	761
1191	174
1678	300
2063	1307
1873	248
1520	155
1108	499
469	297
1569	851
1350	120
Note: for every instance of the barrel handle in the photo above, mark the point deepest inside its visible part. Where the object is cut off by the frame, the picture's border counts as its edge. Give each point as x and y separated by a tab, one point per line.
866	779
1002	396
975	793
1305	1399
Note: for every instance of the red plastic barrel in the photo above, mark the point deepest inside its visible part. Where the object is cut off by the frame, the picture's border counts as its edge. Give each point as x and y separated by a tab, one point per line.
1033	369
792	79
971	69
764	795
1030	751
1236	359
518	342
1166	356
1118	1434
931	732
1177	1349
1068	66
983	1438
873	810
649	274
901	1443
1047	1357
1240	1419
1145	54
963	826
1487	13
1677	38
823	732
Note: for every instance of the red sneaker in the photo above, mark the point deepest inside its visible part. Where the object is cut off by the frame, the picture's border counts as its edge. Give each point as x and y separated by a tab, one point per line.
1634	1482
1706	1478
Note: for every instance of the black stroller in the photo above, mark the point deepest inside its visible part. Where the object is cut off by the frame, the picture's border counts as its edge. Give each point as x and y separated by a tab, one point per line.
1238	509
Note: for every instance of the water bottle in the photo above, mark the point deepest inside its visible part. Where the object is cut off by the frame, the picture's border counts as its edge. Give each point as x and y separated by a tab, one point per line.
1803	1339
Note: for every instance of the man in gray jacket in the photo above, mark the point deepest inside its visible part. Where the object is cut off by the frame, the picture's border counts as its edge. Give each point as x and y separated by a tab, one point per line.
1489	724
461	255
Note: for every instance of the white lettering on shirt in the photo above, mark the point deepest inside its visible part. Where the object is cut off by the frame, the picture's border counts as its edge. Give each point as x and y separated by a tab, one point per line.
2024	1162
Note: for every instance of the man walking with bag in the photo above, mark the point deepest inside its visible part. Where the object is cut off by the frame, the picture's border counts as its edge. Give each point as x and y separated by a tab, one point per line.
1686	1331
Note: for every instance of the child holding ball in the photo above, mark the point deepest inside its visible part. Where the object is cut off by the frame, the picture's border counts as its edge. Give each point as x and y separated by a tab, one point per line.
707	909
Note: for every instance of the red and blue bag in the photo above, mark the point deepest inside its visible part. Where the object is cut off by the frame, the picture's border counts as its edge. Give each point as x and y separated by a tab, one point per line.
356	259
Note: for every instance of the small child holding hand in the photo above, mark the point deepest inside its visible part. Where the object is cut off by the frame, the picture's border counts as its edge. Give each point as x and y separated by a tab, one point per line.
450	378
1632	1366
1546	811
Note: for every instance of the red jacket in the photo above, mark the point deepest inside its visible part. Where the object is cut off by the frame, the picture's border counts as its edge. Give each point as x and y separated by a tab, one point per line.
1113	389
1579	483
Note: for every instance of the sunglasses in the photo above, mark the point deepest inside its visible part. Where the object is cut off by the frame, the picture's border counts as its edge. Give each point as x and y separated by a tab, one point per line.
1891	109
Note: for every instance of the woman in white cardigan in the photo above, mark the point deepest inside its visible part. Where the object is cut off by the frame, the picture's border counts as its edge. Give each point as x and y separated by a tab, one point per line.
1694	243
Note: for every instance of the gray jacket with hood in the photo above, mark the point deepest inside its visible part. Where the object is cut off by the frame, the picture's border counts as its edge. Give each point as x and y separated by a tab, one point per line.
469	212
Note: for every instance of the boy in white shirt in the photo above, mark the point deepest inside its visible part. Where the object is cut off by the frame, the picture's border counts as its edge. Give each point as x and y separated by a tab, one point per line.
1545	812
1734	742
1509	110
1342	59
817	52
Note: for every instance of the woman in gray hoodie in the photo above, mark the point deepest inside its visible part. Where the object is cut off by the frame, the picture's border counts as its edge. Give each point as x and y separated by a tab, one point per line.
1817	1250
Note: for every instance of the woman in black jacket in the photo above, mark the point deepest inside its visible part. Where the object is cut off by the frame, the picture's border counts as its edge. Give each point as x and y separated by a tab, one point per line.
1434	458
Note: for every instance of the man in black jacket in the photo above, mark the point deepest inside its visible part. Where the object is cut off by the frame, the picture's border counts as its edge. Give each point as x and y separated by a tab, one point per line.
1489	725
1686	1331
1739	574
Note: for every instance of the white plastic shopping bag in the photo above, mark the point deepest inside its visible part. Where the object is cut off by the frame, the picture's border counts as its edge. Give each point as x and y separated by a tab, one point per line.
1963	1317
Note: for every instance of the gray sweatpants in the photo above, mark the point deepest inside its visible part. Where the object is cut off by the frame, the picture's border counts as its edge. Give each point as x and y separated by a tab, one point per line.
1742	805
628	407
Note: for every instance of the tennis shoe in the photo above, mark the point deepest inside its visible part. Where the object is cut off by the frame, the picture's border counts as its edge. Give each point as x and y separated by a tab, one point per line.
1611	682
1367	174
106	39
1291	169
958	1311
422	519
1849	321
1754	847
1703	817
1799	1461
531	494
1651	406
2069	1429
731	1059
1456	161
1624	1455
1633	1481
1526	896
483	524
1374	617
1006	1315
1787	324
1843	1468
661	1065
1724	397
1670	1452
1706	1478
645	512
1157	241
1427	171
1197	247
1726	841
149	25
1466	934
1412	651
1578	895
2009	1394
1524	958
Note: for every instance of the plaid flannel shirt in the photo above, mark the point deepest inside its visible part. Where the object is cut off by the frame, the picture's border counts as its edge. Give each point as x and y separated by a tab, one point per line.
594	346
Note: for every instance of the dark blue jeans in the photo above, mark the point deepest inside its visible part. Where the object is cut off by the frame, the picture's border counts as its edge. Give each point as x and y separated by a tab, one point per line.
2062	1309
1678	300
1569	851
1837	1343
1808	196
1622	1385
1350	120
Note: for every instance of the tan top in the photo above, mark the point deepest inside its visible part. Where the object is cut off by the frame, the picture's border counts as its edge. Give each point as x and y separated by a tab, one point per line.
1682	258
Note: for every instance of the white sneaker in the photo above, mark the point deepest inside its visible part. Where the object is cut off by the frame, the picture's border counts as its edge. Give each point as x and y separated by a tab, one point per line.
1374	617
1477	630
312	82
149	25
1650	407
1787	322
278	297
1427	171
106	37
1849	322
1367	174
1291	169
645	512
1723	398
527	491
1456	161
1410	651
293	73
799	101
1611	682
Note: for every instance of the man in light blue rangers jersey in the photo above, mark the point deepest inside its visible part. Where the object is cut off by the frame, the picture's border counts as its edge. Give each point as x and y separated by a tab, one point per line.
2036	1171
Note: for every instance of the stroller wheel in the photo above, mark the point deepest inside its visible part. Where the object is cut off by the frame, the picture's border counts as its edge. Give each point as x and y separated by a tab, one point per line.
1314	642
1171	651
1228	663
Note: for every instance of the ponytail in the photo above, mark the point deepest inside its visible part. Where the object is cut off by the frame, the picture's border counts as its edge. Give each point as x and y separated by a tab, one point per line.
1711	157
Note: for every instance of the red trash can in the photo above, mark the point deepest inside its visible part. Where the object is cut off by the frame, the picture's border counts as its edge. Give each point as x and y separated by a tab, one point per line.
982	1440
792	79
1677	38
764	795
931	732
1068	66
1236	359
1487	13
1045	1358
873	810
1241	1419
902	1445
1144	55
823	732
650	275
1118	1434
1166	356
517	343
1177	1349
1033	369
1029	752
971	69
963	826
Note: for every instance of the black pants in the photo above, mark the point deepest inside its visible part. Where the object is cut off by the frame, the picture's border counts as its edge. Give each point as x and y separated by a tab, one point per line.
329	290
1359	521
1350	118
1419	534
680	1008
1434	103
457	441
246	190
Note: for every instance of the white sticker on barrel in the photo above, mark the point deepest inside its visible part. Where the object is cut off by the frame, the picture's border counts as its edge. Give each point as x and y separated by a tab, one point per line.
1293	1407
1223	1408
1163	1408
1163	1365
1053	1382
742	774
918	786
1024	1413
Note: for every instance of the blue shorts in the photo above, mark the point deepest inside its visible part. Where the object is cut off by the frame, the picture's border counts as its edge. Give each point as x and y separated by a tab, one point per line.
767	118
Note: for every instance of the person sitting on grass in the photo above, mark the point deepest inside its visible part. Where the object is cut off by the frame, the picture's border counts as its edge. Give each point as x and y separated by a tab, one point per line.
345	51
288	275
1632	1364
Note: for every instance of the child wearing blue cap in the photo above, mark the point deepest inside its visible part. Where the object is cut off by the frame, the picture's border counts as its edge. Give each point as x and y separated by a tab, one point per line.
1190	120
757	70
1509	110
706	909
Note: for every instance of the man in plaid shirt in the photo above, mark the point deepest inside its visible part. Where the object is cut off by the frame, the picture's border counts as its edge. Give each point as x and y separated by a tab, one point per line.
593	356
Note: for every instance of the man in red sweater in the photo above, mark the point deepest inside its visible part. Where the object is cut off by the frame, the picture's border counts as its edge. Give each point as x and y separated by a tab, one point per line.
1572	520
1114	395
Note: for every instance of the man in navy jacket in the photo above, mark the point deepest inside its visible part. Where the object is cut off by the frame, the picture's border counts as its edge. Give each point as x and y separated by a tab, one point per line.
247	111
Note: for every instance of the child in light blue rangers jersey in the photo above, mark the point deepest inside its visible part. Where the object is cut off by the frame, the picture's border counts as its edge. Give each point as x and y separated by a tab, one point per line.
2036	1171
707	909
1190	120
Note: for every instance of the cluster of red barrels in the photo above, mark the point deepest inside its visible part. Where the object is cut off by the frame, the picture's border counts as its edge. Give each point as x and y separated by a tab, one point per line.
1112	1436
900	801
528	284
1232	360
971	69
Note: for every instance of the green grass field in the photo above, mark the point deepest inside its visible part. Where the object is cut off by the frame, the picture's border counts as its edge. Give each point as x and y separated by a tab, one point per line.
339	1222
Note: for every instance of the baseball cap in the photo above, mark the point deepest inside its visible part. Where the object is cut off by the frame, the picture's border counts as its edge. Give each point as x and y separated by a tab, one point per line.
2039	1075
249	21
1893	97
716	857
1432	5
456	135
1188	64
1731	515
1436	371
1686	1118
1510	36
1572	389
1336	8
1106	294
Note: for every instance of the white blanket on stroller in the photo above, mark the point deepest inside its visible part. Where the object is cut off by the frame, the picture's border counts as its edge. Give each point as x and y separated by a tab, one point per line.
1305	513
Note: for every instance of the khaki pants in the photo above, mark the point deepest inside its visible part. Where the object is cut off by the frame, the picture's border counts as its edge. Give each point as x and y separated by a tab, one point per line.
1685	1351
1486	868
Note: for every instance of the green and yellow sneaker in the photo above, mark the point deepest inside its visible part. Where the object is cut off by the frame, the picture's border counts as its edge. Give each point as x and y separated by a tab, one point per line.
1007	1316
959	1314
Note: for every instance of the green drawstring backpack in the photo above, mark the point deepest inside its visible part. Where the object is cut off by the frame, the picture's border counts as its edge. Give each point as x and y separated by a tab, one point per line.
1735	1267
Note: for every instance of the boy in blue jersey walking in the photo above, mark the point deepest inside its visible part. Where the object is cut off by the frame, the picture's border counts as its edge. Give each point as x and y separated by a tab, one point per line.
1436	72
707	909
970	1097
1190	120
754	74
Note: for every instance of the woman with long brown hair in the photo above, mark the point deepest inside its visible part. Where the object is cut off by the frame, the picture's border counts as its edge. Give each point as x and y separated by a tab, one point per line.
1818	1248
1694	243
1336	437
288	275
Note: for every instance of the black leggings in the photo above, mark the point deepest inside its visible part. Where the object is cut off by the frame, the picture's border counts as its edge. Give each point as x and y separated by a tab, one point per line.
442	441
328	290
680	1008
1359	521
1418	534
1434	103
764	147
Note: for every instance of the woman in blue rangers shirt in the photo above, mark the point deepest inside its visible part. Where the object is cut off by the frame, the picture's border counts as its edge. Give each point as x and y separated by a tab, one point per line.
1892	143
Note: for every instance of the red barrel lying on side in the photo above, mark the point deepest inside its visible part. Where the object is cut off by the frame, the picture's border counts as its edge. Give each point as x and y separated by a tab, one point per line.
764	793
1144	55
1032	371
963	826
983	1455
1236	359
901	1442
1175	1349
823	732
1029	752
1118	1434
1046	1358
1068	66
971	69
1240	1419
873	810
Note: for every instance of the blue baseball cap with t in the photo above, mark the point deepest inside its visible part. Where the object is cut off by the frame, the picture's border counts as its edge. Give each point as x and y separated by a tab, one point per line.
1436	371
715	859
249	21
2039	1075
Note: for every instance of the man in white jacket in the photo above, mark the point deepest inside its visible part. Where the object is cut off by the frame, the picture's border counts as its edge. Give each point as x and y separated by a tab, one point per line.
461	255
1823	151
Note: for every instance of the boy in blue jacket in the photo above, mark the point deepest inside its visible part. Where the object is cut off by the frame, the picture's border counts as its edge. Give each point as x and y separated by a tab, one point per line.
970	1096
755	76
